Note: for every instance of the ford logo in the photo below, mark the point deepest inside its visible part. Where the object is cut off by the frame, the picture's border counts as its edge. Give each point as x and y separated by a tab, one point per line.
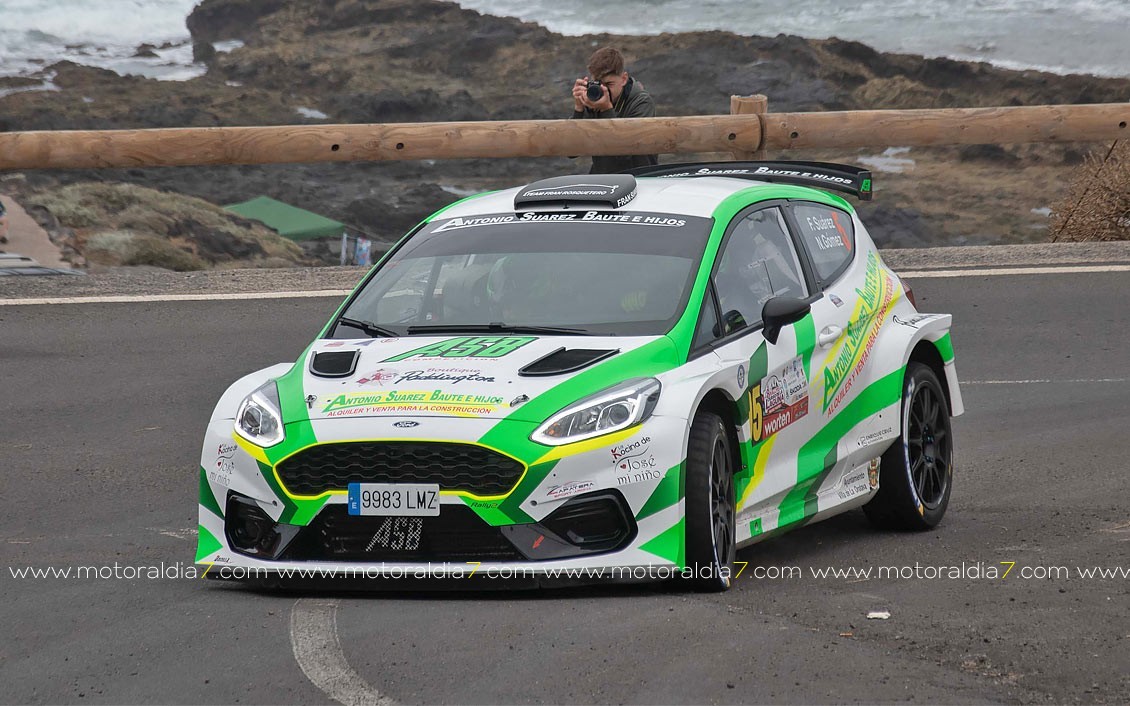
406	425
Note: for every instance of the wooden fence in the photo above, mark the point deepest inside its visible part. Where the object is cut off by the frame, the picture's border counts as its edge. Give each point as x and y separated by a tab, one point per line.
747	132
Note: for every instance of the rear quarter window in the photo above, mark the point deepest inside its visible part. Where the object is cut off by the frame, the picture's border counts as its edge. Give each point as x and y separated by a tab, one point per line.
828	236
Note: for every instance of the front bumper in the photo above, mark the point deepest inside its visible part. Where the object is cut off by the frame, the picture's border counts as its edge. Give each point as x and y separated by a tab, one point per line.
601	509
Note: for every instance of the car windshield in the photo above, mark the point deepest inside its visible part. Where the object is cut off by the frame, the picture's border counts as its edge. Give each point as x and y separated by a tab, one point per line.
577	272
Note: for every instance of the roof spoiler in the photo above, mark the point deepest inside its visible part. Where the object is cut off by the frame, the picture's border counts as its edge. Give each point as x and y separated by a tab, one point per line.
855	181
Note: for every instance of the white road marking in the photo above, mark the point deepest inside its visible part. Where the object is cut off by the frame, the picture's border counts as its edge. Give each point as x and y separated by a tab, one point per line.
994	272
1043	382
317	649
143	298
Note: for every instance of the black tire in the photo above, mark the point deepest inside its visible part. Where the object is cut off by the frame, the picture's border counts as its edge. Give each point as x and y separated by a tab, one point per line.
711	516
916	472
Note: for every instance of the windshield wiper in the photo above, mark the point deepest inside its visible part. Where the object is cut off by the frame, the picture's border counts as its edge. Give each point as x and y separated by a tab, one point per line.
368	327
496	327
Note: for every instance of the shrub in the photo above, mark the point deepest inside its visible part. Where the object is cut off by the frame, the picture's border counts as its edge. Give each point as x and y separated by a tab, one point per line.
1097	205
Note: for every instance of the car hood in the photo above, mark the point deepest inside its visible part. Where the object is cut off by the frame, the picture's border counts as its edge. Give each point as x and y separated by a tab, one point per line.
444	376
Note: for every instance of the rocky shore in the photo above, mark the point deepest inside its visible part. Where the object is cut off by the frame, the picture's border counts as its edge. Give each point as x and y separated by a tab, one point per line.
363	61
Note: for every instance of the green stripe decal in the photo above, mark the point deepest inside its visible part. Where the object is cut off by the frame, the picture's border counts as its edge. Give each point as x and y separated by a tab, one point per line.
945	347
206	543
806	342
668	545
667	493
207	499
812	462
758	365
511	505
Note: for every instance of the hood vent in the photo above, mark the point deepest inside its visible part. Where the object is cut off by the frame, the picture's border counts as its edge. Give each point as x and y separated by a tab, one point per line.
334	364
563	361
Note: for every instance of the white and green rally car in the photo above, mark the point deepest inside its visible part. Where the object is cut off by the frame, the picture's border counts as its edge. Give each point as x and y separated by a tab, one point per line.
605	376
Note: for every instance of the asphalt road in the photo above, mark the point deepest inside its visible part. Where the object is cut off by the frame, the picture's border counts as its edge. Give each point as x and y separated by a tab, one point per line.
102	409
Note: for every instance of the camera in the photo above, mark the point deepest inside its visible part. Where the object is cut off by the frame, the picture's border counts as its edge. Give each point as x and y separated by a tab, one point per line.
594	91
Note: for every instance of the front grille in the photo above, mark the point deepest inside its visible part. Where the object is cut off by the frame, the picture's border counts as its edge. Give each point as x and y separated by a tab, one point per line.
465	467
455	535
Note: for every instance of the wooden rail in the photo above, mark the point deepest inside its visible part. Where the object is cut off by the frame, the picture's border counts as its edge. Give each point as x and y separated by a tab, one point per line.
749	130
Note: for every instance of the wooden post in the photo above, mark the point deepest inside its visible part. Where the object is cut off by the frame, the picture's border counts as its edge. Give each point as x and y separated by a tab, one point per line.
751	105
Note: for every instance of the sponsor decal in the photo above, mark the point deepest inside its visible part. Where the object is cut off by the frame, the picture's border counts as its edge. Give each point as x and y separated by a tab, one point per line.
440	375
778	400
913	321
406	425
222	470
873	473
637	470
741	377
868	439
572	190
770	171
557	492
466	347
358	403
855	483
377	377
851	351
637	447
310	400
642	219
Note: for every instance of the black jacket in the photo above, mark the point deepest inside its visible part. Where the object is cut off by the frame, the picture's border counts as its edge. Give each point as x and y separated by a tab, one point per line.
635	102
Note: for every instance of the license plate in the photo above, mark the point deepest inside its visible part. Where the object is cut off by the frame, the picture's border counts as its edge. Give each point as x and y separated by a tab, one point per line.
394	499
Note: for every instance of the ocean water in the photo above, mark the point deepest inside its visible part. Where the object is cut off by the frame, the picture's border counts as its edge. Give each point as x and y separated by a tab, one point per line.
1063	36
103	33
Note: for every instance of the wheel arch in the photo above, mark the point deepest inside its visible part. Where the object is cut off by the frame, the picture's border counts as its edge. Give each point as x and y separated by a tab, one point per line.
720	403
926	353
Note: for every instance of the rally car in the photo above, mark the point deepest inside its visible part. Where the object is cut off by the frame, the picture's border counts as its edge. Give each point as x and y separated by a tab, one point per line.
623	376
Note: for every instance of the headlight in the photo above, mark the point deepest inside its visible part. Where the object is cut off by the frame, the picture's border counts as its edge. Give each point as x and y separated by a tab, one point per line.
258	419
616	408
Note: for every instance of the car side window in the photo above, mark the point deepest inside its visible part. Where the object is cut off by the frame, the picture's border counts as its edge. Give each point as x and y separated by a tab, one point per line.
758	264
828	236
708	329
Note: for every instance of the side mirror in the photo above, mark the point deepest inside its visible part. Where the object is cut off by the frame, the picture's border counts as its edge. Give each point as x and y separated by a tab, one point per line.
779	312
732	320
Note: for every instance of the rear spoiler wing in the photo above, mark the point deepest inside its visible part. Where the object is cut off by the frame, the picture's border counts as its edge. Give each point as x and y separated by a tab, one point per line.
855	181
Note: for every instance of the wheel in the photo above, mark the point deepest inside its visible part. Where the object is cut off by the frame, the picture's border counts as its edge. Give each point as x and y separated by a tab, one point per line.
711	517
916	472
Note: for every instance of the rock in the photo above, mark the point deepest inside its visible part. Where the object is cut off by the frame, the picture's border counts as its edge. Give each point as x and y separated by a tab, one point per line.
203	52
214	20
146	51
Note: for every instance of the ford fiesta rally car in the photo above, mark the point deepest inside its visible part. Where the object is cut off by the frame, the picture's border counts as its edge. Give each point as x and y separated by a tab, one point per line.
601	376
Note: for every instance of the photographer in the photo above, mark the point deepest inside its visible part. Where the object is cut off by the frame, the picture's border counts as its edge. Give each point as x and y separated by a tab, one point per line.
608	92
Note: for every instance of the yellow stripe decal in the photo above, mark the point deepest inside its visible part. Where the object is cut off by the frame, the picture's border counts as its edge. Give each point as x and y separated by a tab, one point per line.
581	447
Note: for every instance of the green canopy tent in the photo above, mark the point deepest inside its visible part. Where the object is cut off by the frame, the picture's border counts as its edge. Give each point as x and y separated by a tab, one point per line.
291	222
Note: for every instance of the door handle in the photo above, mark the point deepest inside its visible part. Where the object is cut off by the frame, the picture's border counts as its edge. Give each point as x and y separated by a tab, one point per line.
828	335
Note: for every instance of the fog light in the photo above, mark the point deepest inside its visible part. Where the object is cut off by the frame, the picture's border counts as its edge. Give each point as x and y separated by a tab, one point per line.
596	522
249	530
